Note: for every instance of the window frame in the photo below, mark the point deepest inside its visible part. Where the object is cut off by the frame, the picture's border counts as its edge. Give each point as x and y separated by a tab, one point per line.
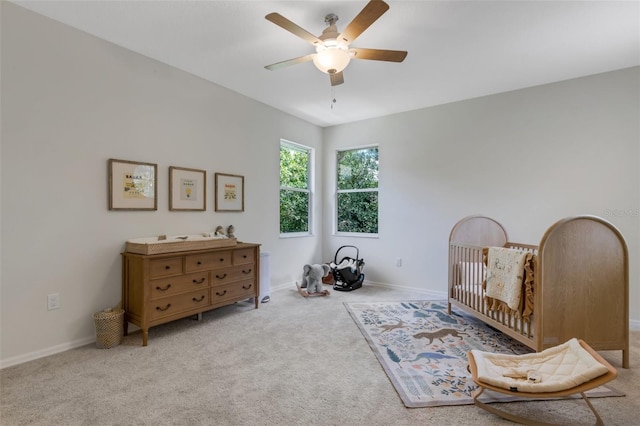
343	191
309	190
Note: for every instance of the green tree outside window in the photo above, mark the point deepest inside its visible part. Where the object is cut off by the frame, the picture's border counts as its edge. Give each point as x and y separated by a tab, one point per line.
357	191
295	191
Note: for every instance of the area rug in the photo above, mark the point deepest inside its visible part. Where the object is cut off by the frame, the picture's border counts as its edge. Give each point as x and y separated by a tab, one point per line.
423	350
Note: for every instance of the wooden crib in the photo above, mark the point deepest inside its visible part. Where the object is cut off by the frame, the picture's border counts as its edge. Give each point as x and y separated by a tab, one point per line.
579	283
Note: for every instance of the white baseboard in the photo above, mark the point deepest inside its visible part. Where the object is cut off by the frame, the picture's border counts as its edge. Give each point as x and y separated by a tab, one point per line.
20	359
285	286
429	295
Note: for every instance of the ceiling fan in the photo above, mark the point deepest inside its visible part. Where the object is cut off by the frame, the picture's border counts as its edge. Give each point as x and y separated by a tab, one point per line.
332	48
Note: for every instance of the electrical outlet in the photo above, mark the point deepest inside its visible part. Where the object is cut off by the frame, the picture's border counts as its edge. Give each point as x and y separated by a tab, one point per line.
53	301
398	261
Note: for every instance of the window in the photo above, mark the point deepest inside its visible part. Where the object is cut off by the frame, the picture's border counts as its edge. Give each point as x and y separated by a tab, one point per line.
357	191
295	189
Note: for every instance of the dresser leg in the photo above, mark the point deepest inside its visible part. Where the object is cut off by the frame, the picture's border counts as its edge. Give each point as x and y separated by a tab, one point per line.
125	327
145	337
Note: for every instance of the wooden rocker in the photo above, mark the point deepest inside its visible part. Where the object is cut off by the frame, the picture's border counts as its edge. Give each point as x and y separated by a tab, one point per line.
564	370
305	293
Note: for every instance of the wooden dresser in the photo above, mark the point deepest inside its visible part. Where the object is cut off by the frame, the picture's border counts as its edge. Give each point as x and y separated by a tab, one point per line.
159	288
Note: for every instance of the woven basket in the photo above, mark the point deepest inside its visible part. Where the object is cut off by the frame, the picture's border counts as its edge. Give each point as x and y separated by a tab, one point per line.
109	327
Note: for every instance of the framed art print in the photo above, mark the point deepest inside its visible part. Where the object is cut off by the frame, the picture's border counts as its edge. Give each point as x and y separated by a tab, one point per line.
187	189
229	193
132	185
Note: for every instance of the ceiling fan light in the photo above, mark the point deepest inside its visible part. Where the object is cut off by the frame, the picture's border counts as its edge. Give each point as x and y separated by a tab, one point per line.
331	59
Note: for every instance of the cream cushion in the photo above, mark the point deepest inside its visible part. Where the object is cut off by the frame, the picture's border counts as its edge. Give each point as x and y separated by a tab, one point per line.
558	368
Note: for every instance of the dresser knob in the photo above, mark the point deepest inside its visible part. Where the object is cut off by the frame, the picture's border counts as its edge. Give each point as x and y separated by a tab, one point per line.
221	259
199	263
245	256
167	267
199	300
221	294
163	289
247	271
221	276
158	308
247	287
199	281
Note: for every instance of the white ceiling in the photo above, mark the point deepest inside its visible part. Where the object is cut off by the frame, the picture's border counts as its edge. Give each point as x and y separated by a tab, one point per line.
457	49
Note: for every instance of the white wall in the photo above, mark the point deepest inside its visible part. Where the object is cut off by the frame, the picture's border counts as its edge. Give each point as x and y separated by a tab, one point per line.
526	158
69	103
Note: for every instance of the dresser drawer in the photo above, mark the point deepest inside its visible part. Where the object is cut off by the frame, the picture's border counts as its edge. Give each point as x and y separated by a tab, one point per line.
244	256
233	291
164	267
206	261
235	273
168	286
164	287
179	303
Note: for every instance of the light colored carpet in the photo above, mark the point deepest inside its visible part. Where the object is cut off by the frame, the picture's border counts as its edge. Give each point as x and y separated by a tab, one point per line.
294	361
424	350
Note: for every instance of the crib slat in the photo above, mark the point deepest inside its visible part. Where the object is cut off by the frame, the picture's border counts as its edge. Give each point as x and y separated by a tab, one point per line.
466	275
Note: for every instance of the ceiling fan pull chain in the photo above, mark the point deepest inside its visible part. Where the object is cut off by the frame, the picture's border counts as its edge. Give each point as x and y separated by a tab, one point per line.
333	96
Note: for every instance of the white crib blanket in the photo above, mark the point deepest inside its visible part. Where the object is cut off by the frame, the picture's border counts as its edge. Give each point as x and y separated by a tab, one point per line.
505	272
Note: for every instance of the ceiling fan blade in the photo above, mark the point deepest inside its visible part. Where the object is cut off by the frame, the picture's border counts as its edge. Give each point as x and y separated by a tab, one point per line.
378	54
367	16
290	62
336	78
283	22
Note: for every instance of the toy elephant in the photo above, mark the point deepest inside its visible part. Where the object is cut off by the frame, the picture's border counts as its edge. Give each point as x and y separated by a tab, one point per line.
312	280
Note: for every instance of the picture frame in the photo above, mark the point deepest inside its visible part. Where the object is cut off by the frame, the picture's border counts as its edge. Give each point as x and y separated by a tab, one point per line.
133	185
187	189
229	195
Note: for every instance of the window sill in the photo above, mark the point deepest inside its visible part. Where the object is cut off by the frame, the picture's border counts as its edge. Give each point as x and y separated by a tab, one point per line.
356	235
296	235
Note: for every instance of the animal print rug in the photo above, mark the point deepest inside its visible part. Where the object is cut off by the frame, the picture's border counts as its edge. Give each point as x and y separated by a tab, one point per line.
423	350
